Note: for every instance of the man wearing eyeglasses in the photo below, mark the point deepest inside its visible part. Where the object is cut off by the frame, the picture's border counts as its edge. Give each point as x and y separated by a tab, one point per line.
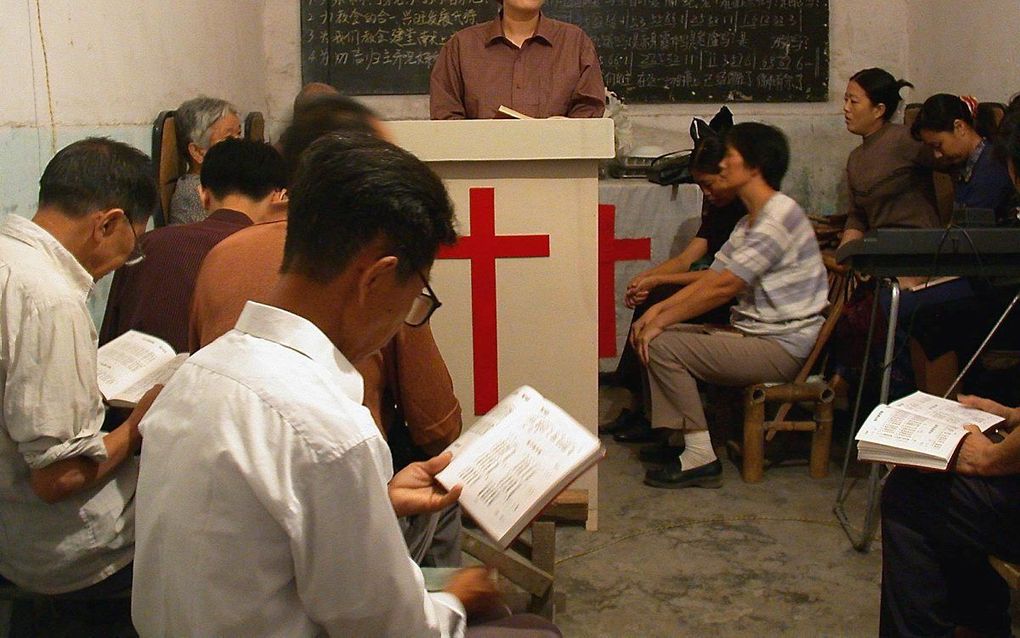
67	488
407	386
267	504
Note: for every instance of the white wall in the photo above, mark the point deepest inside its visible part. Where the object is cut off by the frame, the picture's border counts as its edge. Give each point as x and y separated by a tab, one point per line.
108	68
970	48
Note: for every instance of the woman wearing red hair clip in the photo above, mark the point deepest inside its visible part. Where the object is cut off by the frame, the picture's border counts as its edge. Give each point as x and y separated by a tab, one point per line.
958	130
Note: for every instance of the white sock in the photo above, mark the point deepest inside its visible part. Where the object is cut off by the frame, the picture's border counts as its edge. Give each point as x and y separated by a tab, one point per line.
698	450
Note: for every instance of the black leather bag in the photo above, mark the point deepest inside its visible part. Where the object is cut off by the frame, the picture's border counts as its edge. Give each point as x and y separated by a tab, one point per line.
671	168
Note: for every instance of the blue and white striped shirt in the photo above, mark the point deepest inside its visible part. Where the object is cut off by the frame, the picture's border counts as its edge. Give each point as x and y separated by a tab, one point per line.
787	287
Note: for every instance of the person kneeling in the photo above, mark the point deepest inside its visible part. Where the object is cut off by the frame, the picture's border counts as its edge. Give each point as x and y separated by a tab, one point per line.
772	266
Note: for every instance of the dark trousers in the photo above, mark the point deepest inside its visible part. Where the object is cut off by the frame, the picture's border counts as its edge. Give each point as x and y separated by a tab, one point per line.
102	610
938	530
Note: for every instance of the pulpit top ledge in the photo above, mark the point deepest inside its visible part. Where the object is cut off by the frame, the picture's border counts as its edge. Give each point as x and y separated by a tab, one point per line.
506	140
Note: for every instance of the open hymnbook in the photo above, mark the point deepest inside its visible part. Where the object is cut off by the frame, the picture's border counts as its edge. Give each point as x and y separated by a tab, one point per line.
131	364
919	430
515	460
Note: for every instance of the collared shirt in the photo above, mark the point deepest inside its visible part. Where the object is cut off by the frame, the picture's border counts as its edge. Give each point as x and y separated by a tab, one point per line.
405	382
154	296
555	72
263	506
787	289
984	183
52	410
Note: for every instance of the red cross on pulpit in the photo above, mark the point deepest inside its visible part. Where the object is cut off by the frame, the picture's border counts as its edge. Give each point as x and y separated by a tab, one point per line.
483	247
612	250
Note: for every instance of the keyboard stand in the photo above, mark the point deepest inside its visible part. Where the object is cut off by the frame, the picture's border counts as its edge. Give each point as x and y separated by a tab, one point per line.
879	471
862	543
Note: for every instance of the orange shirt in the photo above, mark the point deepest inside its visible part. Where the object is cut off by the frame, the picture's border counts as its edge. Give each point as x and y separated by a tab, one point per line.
408	373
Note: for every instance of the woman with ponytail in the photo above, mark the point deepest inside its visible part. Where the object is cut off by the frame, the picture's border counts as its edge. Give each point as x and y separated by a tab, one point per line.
889	174
958	130
889	177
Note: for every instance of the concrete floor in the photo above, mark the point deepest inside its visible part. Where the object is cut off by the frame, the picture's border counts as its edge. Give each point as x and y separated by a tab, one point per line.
743	560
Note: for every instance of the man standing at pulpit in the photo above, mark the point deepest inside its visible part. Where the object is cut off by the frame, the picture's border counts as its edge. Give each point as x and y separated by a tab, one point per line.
520	59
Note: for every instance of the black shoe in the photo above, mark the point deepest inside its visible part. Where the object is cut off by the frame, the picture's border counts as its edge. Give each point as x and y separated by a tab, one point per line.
660	453
638	430
672	476
621	422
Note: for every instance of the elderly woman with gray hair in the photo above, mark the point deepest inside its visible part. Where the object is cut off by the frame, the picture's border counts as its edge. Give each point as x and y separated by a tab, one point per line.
201	122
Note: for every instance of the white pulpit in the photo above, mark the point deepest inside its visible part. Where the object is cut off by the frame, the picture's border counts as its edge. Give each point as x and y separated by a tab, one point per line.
519	291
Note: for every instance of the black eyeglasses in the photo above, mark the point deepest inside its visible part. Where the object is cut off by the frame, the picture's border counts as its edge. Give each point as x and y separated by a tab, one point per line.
423	305
137	254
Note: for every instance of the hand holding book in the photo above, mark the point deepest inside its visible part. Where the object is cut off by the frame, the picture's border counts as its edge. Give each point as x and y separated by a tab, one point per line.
919	430
515	460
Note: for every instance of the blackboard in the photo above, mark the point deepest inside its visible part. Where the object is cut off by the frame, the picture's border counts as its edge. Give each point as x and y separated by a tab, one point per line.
651	50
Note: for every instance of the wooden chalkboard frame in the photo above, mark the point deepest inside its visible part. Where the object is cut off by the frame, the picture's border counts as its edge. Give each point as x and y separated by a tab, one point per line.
652	51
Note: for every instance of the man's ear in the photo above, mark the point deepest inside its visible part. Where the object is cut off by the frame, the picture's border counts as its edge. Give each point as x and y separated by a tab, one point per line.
375	276
196	153
104	223
206	197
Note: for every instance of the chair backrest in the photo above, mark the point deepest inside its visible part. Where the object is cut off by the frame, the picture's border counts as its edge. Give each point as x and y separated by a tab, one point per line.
166	162
839	282
910	112
255	127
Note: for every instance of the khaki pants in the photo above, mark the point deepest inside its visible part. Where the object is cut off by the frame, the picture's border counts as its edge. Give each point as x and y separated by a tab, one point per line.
683	354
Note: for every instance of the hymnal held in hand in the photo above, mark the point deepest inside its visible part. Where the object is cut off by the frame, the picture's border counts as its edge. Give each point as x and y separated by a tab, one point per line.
919	430
131	364
514	461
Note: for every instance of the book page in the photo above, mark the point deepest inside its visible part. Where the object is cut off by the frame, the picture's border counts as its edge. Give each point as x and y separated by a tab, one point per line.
130	396
518	465
127	359
894	427
945	411
522	399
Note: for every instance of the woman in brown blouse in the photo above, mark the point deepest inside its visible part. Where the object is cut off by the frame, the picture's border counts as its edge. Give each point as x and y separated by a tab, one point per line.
890	174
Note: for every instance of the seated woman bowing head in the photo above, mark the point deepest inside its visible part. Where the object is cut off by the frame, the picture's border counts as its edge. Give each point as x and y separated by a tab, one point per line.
958	130
772	266
522	60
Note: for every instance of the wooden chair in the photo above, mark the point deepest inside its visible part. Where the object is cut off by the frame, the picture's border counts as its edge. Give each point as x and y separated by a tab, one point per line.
167	162
255	127
813	389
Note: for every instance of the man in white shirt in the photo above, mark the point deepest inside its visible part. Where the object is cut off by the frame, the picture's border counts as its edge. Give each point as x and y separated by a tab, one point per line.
267	503
67	488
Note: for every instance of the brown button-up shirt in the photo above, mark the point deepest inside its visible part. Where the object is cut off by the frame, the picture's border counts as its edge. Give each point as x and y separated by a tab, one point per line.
555	72
407	378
